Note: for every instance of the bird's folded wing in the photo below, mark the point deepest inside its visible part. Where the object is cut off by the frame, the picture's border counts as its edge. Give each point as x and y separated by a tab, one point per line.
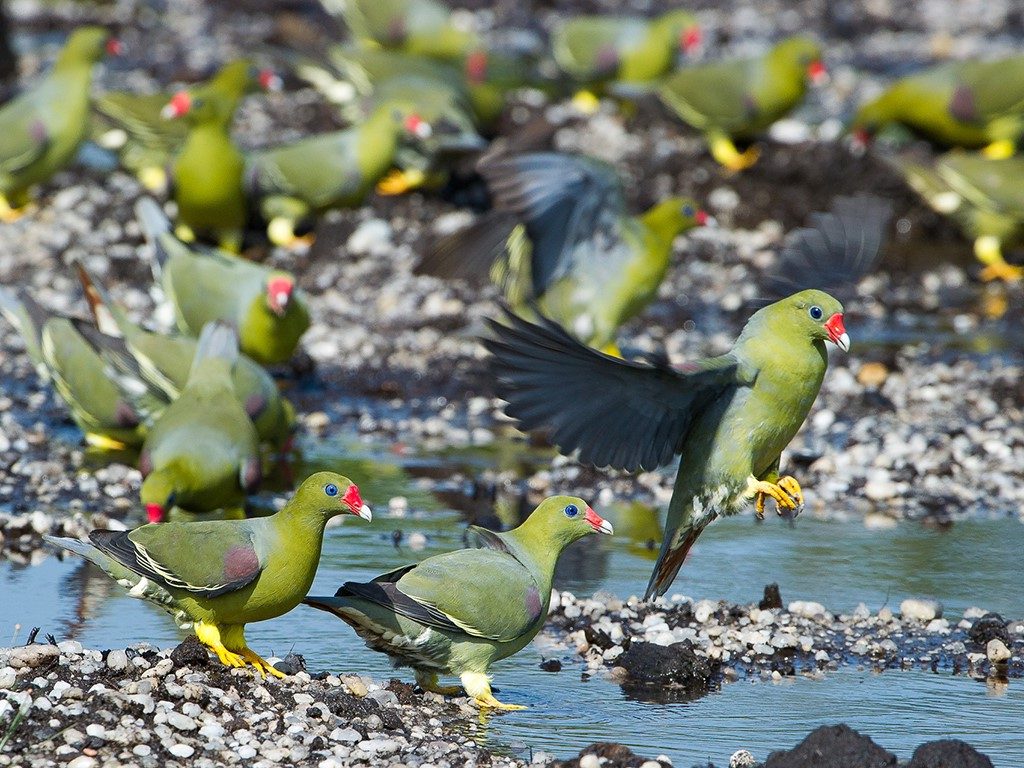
23	140
572	208
478	592
208	559
711	96
617	413
988	184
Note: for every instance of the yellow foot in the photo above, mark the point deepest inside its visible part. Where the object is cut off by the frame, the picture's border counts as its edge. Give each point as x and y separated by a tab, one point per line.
428	682
586	102
209	635
1006	272
153	178
999	150
786	493
184	232
398	182
988	249
724	151
478	686
104	442
11	213
281	232
263	667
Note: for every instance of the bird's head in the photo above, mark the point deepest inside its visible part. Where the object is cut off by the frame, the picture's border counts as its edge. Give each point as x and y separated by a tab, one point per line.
279	293
158	496
241	76
690	39
476	66
561	520
814	314
804	54
330	494
90	44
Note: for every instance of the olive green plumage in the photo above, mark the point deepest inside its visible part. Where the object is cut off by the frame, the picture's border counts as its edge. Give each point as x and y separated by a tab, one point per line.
420	27
218	576
983	196
159	361
967	104
202	454
738	99
460	612
560	238
41	129
728	417
204	284
598	49
74	366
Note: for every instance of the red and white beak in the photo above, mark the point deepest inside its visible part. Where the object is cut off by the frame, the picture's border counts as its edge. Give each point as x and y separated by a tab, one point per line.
701	218
837	332
270	80
179	105
114	47
279	293
418	127
598	523
690	39
354	502
817	73
155	513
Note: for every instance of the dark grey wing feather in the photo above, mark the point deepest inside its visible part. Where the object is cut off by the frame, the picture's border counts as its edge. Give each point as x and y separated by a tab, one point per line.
564	201
617	413
469	253
836	251
388	595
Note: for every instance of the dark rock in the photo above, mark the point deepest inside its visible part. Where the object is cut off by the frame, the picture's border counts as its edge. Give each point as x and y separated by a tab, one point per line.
989	626
676	666
833	746
406	693
291	664
611	755
772	597
948	753
551	665
190	653
597	638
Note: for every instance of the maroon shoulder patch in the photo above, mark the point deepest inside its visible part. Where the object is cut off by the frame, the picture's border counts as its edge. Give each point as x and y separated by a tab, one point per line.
963	106
533	604
125	415
240	562
254	404
607	60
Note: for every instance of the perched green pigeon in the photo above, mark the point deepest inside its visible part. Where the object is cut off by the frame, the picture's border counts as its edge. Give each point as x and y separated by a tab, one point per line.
970	104
204	284
597	49
984	196
458	613
560	237
217	576
736	100
202	454
41	129
136	124
421	27
77	371
728	417
155	360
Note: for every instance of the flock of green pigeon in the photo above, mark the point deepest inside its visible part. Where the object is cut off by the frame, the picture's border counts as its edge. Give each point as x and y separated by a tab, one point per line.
572	264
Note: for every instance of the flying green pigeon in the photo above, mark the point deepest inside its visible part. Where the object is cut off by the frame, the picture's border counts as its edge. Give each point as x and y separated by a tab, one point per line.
136	124
155	360
458	613
597	49
66	358
970	104
560	238
41	129
728	417
204	284
738	99
984	196
202	454
420	27
217	576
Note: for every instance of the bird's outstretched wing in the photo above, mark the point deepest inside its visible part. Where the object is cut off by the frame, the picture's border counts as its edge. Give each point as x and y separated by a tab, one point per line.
618	413
836	251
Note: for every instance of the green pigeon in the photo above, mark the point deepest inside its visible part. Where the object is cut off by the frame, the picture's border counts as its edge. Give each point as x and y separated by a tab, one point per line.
205	284
597	49
68	359
217	576
560	238
729	417
969	104
202	454
420	27
156	360
42	128
737	99
135	125
984	196
459	612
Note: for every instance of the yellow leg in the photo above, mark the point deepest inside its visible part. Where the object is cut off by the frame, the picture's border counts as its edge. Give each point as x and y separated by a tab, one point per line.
786	493
153	178
724	151
12	210
611	348
586	102
397	182
428	682
234	639
281	232
209	635
104	442
478	686
1000	150
988	249
184	232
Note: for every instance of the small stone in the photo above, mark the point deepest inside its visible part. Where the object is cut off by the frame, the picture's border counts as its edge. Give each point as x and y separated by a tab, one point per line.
182	750
590	761
920	609
384	698
873	374
246	752
32	656
345	735
997	651
142	750
368	236
8	677
806	608
83	761
180	722
379	746
355	686
117	660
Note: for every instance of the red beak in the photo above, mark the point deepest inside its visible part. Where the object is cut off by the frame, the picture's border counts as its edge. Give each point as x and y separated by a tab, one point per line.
354	502
690	39
597	522
270	80
837	332
179	105
155	513
701	218
861	138
114	47
418	127
476	67
817	73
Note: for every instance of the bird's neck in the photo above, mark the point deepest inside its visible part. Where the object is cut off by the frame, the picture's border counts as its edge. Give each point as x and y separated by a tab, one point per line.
540	561
663	220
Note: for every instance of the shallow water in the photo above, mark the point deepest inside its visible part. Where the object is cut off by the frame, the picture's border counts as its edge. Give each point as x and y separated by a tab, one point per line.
838	564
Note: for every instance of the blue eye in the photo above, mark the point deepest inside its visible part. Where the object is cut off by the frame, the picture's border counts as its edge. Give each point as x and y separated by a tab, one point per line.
815	313
571	511
331	489
687	210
